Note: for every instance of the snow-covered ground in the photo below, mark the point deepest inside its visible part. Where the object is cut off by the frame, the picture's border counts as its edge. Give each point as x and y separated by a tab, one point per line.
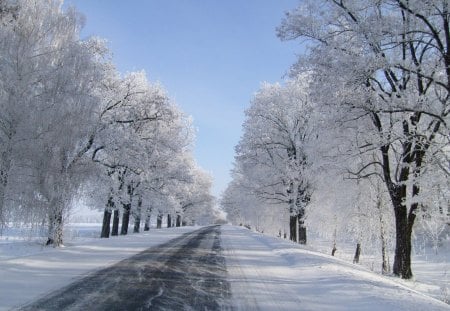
265	273
431	270
28	270
271	274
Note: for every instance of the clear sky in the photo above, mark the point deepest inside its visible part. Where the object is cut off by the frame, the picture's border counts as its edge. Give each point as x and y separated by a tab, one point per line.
210	55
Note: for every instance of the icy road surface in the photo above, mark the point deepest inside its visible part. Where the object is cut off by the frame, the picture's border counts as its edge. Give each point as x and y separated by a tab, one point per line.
186	273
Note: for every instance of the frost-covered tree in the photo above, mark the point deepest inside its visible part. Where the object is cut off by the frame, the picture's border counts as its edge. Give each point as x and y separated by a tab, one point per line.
382	68
48	78
71	125
271	157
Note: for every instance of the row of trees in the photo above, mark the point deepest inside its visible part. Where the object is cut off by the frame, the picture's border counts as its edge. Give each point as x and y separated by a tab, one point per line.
72	127
370	119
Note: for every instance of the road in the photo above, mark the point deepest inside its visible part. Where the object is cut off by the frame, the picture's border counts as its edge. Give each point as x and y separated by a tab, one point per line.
187	273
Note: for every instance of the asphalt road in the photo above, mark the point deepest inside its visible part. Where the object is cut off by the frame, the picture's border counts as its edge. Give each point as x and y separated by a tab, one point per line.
187	273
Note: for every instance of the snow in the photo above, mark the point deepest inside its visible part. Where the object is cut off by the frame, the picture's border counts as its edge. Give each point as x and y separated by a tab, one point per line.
265	273
431	270
28	270
271	274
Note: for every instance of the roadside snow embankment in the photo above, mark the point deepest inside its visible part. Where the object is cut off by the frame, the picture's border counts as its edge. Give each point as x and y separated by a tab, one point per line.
270	274
28	270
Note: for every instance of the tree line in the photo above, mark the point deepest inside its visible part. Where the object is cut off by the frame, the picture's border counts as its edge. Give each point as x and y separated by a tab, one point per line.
73	129
357	142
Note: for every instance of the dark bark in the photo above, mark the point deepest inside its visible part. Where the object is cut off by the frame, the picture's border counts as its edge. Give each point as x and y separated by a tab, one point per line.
159	221
137	224
301	228
147	223
115	227
137	216
125	219
169	221
385	264
296	223
403	229
404	221
106	226
333	251
293	228
178	222
357	253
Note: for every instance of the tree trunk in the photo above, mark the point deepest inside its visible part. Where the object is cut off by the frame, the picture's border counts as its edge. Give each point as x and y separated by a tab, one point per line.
137	224
159	221
125	219
178	222
169	221
137	216
147	221
357	253
115	228
2	213
333	251
293	228
4	172
385	269
55	231
106	226
403	229
301	228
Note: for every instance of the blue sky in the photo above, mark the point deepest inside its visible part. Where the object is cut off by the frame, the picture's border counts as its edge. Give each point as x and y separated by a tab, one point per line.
210	55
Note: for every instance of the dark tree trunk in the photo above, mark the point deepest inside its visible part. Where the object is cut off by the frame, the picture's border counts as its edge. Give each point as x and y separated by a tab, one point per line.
178	222
115	227
137	224
413	153
297	228
147	222
106	226
137	216
385	264
403	230
147	219
159	221
125	219
293	228
301	228
169	221
333	251
357	253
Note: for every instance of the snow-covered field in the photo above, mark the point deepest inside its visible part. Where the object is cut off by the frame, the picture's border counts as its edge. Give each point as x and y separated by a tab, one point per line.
265	273
431	270
286	276
28	270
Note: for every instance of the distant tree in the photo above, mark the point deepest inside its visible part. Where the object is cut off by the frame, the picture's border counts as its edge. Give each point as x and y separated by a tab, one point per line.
271	157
